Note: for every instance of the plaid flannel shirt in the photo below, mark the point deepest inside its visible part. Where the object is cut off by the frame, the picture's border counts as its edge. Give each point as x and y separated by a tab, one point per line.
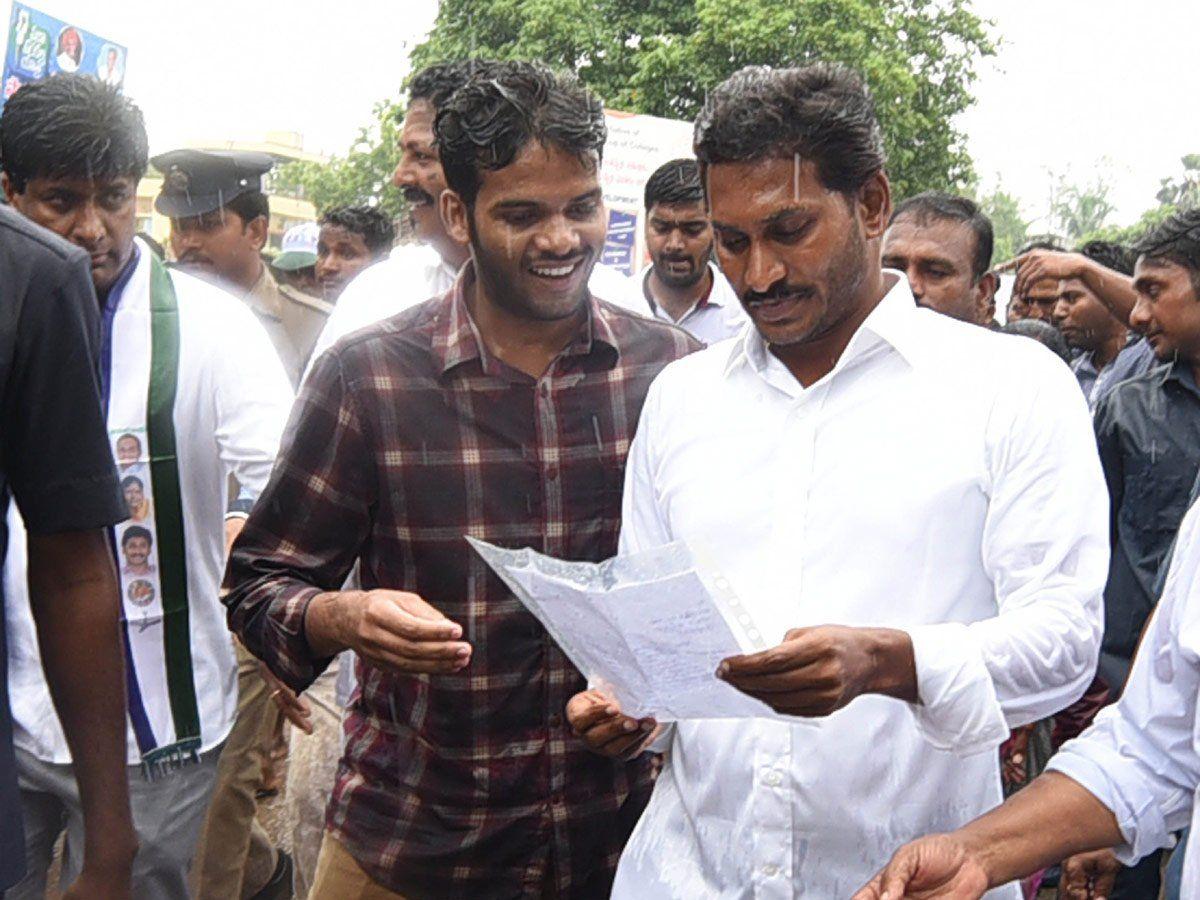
407	436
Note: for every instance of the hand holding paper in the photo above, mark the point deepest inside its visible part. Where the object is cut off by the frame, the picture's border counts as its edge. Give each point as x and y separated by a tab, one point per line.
650	628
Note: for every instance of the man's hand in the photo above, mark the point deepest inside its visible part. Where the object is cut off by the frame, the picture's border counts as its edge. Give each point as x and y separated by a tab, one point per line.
817	671
938	867
598	721
393	630
294	708
1089	876
1043	265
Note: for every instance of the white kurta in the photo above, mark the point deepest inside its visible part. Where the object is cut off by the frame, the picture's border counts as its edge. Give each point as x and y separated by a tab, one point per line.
1141	758
943	480
231	405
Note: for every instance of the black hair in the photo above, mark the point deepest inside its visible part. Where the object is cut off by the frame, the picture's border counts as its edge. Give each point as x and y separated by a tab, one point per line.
1176	240
130	480
676	182
370	223
249	206
1044	334
822	113
936	206
491	118
71	126
136	531
1109	254
435	84
1041	244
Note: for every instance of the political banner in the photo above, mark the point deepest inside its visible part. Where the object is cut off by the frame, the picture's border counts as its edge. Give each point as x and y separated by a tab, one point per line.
637	145
40	45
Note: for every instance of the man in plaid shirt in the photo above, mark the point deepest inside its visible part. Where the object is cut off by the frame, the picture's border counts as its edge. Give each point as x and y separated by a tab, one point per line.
503	410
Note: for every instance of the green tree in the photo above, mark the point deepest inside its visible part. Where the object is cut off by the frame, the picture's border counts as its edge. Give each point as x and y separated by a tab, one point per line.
1009	227
659	57
1079	210
1185	190
360	177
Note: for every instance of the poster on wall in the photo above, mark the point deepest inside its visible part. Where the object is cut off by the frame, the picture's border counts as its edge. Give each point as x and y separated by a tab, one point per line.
636	146
40	45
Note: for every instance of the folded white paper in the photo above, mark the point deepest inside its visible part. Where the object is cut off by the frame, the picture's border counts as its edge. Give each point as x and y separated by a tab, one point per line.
651	628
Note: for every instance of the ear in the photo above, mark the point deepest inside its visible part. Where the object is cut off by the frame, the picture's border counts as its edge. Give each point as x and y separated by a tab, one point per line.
456	216
10	192
875	205
985	296
259	228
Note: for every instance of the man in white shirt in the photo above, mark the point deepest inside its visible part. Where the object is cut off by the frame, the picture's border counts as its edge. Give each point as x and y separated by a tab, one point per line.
925	538
682	285
187	370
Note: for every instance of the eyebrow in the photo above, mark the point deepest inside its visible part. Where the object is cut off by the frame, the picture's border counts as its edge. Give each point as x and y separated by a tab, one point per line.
773	219
526	204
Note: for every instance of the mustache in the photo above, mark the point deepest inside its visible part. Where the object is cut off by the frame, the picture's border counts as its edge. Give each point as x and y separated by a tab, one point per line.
192	258
780	290
416	196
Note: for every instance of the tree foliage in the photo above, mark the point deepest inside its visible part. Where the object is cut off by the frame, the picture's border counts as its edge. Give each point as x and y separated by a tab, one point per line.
360	177
1009	227
1078	210
660	56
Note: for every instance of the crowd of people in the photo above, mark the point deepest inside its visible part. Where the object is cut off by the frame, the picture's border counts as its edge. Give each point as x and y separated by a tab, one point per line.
241	488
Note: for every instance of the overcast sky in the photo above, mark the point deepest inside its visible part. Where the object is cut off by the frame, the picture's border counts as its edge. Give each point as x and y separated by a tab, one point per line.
1080	87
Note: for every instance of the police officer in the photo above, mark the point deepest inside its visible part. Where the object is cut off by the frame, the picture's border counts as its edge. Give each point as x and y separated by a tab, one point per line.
219	226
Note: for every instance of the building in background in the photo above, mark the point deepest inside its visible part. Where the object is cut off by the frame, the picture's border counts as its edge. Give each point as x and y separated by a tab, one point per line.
286	209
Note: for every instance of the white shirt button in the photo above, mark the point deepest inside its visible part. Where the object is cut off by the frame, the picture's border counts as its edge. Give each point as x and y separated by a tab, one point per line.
770	870
773	779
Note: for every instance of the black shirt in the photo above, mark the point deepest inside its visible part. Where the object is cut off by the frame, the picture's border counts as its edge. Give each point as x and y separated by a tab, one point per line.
1148	429
55	457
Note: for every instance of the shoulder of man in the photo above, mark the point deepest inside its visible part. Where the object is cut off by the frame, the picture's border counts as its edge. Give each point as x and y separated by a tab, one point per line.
24	238
642	339
317	304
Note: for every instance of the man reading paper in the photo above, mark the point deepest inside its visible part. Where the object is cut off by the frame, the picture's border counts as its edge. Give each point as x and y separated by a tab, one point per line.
924	539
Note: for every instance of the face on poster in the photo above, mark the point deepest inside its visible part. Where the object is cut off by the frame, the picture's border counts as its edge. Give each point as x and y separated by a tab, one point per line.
40	45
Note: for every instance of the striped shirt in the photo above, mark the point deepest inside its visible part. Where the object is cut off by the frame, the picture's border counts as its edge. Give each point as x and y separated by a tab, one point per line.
406	437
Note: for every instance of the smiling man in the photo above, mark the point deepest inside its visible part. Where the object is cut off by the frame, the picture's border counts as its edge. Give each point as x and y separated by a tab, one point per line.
943	245
415	272
924	545
503	410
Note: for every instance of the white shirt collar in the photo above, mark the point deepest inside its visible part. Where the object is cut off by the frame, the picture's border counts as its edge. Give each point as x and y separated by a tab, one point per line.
891	322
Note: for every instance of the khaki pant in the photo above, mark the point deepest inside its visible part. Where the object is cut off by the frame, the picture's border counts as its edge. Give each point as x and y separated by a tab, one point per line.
340	877
235	858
